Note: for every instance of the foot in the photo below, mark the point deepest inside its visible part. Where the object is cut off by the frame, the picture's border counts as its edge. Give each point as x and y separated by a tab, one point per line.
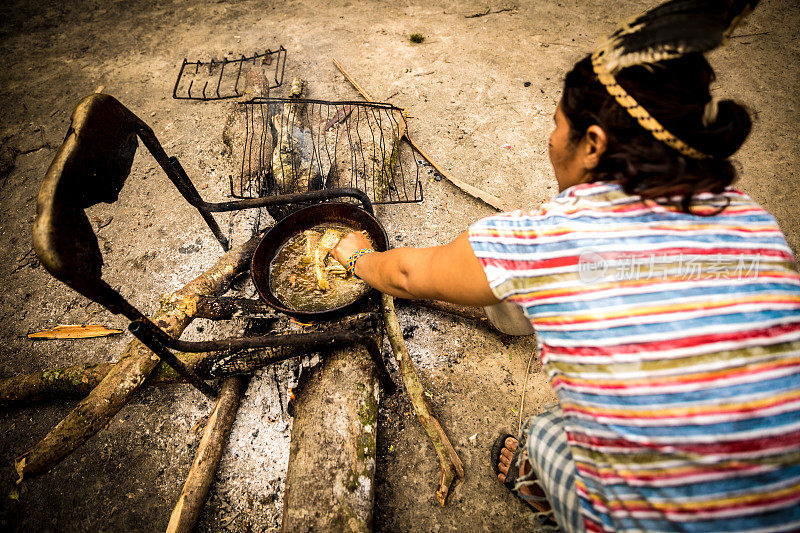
506	455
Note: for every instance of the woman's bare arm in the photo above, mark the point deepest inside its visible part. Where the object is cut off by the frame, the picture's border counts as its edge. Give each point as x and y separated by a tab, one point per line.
450	272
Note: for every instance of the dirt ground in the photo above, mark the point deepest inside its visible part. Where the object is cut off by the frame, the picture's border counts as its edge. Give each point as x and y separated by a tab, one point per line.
481	91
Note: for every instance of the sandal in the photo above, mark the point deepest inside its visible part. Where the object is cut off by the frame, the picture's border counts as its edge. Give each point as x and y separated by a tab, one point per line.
538	500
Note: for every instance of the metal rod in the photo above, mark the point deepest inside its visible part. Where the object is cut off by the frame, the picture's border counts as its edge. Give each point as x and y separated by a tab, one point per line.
282	62
144	332
307	340
310	196
177	81
188	190
219	80
357	103
238	74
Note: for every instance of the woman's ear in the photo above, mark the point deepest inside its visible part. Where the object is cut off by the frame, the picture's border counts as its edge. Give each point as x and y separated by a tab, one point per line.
595	143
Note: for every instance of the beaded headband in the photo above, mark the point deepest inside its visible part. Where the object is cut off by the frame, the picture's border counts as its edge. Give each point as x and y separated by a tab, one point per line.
645	119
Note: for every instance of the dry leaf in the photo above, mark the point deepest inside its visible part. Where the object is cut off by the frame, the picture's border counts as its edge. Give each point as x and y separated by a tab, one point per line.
74	331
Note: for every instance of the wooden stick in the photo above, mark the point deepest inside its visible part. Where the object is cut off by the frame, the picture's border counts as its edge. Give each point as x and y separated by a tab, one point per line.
113	392
487	198
490	199
448	459
355	84
71	382
193	496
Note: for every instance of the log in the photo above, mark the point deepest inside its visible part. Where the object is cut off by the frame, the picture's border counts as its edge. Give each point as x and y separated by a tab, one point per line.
451	466
95	411
193	496
71	382
77	381
330	482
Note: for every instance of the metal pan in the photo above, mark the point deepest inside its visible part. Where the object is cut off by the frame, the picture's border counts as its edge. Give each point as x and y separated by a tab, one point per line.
299	221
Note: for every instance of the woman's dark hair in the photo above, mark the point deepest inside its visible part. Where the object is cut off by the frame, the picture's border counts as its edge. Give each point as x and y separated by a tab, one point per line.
675	93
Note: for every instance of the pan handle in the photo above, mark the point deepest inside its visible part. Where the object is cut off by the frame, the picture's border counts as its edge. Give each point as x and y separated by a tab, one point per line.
309	196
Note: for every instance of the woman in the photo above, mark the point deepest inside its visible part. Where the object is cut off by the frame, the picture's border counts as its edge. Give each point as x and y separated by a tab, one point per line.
666	305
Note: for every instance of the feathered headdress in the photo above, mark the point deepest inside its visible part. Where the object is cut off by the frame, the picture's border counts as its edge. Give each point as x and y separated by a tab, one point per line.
669	31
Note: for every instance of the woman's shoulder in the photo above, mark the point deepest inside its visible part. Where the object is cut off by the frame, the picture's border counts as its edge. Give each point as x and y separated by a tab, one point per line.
585	200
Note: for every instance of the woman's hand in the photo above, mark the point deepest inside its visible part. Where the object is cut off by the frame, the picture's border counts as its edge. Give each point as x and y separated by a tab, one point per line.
348	245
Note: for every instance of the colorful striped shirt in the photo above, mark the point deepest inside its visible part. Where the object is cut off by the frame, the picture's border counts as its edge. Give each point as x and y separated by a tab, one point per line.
673	343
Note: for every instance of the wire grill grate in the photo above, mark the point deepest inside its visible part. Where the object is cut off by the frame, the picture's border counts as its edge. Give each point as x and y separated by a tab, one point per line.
291	145
226	78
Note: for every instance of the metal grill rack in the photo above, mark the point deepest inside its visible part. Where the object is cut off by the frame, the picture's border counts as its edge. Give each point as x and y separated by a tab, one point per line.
292	145
225	78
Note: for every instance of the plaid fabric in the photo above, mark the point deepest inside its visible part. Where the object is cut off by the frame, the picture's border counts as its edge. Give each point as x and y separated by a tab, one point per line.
544	438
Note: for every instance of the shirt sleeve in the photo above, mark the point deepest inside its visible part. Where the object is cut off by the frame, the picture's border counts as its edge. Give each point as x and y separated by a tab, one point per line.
506	246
